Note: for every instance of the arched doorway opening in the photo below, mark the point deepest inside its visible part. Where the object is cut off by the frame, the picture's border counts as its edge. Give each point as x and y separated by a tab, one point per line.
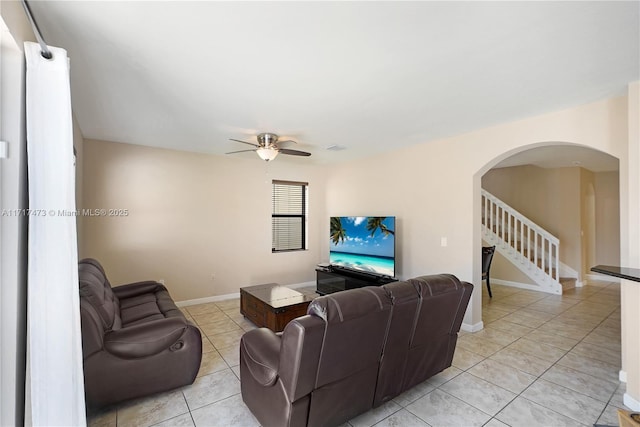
570	189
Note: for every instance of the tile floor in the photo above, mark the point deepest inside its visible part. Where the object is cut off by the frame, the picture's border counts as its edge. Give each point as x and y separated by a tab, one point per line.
542	360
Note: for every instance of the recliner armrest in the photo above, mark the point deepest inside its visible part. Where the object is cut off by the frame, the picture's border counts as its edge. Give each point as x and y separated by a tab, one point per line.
262	350
137	288
145	339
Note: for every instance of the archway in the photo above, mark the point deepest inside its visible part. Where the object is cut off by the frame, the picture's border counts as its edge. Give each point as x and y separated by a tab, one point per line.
586	164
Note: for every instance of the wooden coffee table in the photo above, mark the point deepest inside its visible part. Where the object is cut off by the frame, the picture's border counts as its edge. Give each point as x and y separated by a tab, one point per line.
272	306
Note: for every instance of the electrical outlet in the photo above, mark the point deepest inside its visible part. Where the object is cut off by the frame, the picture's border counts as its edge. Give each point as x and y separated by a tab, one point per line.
443	242
161	281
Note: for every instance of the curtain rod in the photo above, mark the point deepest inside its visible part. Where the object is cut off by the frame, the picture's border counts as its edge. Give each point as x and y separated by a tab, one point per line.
44	49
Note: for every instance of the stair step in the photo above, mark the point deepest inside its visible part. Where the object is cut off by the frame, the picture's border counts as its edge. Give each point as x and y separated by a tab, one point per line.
567	283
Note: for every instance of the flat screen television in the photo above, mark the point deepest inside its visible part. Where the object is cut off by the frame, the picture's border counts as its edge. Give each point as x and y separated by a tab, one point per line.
363	243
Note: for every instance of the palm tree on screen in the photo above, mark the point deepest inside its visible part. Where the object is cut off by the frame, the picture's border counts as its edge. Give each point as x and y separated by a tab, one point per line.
336	231
376	222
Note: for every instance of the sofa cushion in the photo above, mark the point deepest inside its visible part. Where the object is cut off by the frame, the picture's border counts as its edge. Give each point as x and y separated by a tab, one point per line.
440	296
137	307
442	306
356	325
140	313
355	330
137	300
405	300
166	305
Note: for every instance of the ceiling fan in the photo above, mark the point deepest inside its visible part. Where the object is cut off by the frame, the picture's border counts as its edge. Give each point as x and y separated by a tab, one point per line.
267	147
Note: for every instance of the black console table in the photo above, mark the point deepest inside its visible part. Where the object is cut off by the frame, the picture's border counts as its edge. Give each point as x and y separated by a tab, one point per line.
331	279
615	271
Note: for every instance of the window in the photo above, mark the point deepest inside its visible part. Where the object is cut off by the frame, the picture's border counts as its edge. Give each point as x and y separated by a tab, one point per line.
289	217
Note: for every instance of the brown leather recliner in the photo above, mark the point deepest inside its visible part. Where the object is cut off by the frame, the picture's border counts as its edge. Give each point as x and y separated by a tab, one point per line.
135	341
354	350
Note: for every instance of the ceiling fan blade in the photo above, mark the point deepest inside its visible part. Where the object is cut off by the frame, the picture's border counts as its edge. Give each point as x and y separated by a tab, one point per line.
244	142
286	140
241	151
293	152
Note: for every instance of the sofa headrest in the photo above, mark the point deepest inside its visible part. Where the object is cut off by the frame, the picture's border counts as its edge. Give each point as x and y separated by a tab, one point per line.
96	290
401	292
342	306
443	303
436	284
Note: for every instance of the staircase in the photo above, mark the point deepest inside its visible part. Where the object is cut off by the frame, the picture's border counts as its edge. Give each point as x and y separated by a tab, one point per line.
529	247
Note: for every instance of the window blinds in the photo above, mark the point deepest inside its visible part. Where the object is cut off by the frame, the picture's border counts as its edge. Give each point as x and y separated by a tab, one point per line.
288	219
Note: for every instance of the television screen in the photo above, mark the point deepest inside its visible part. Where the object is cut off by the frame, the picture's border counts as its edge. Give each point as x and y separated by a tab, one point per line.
365	243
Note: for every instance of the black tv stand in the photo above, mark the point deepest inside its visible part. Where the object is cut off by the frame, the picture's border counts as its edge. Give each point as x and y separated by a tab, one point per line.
333	279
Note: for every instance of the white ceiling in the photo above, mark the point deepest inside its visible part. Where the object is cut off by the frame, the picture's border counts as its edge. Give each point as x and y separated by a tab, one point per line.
367	76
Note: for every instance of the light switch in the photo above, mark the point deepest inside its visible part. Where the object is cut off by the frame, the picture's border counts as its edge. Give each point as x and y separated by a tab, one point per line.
443	242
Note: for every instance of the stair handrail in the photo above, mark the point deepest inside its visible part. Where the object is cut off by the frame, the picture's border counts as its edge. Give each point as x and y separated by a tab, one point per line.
521	217
505	230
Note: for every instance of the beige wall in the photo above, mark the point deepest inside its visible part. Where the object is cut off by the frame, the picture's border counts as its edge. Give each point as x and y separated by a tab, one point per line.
202	223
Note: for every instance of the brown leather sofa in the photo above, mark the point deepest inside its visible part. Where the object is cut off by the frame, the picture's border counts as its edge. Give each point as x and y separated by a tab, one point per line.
135	341
353	351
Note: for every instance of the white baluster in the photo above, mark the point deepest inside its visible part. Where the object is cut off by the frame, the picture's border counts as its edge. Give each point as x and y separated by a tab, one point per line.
518	232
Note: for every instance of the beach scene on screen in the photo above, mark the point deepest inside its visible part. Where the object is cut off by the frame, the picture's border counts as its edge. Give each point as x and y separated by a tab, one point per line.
364	243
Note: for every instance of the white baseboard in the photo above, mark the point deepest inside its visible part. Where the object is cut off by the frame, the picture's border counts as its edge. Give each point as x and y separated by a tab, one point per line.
622	376
579	283
232	296
472	328
602	278
631	403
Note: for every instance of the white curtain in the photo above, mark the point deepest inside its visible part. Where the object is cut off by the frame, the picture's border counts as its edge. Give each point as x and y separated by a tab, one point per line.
53	318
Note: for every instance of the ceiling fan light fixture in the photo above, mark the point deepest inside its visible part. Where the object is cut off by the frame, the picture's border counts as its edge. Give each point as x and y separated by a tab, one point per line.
267	153
267	147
